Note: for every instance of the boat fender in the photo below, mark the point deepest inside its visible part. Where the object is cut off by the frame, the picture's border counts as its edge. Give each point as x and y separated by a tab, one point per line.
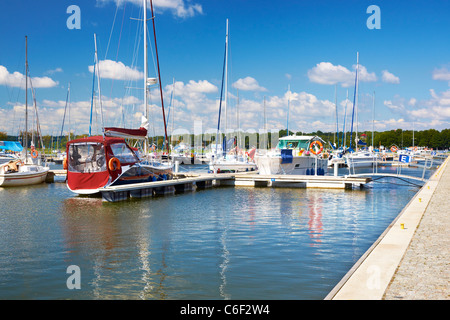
65	164
114	164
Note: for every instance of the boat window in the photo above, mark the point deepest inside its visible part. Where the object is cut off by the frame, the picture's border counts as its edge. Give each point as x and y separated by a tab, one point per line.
293	144
122	152
86	157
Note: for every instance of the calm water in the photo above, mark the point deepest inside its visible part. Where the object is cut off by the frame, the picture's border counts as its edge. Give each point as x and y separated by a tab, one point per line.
219	243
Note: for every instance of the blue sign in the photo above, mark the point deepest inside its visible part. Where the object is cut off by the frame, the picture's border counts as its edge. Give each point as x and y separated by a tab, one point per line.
404	158
433	153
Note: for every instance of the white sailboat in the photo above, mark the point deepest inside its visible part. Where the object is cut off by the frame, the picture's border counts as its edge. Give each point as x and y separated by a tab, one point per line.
294	155
358	158
99	161
233	161
23	171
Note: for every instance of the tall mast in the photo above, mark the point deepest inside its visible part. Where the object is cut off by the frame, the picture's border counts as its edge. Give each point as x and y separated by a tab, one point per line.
356	99
145	73
345	117
157	62
26	98
355	103
226	87
373	119
145	60
336	118
289	102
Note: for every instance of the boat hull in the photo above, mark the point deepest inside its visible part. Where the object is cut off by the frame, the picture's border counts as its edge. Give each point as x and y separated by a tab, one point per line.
17	179
228	166
133	175
303	165
360	161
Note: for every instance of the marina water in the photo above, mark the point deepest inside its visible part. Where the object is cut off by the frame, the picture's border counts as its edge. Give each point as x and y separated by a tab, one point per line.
218	243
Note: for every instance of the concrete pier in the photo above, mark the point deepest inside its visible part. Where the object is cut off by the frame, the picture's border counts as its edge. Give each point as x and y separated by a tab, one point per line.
410	260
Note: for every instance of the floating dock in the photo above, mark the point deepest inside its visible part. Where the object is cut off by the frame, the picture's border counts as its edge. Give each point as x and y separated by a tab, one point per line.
410	259
190	182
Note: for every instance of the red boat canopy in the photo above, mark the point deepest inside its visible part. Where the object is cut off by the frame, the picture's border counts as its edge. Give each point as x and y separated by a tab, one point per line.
140	133
89	161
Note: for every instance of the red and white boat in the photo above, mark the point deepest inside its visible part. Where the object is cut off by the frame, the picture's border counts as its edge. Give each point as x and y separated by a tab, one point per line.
99	161
96	162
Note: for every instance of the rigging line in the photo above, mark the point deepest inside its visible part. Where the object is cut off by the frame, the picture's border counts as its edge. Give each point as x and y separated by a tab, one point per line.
112	28
220	101
118	45
159	78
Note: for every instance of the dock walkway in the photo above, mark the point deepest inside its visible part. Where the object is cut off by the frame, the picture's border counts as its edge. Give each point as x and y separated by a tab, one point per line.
410	260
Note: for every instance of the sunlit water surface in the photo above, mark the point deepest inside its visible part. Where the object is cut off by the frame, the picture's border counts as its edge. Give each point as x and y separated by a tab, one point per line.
218	243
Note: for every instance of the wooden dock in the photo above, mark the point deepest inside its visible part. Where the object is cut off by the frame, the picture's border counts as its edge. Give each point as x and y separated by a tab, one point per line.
188	182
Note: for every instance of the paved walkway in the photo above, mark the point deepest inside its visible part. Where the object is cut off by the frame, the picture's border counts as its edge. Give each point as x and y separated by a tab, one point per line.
411	259
424	272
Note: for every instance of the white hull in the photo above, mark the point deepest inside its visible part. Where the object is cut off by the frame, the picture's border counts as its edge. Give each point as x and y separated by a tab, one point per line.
128	170
24	178
303	165
232	166
360	160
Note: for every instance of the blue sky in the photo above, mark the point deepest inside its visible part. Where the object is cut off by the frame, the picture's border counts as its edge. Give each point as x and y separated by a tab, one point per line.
307	46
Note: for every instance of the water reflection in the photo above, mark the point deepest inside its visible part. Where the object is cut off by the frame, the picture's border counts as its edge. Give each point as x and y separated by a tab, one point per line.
315	225
220	243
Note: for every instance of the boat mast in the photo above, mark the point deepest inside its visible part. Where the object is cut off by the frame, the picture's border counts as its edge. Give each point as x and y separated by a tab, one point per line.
289	102
336	120
345	117
145	72
355	101
221	96
373	120
157	62
26	99
226	89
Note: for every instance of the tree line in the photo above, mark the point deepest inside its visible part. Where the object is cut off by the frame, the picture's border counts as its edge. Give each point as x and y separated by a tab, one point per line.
431	138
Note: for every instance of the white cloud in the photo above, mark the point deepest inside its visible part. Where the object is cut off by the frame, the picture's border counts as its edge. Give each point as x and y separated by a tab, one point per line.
248	84
442	74
389	77
327	73
364	75
437	108
178	7
17	79
117	71
53	71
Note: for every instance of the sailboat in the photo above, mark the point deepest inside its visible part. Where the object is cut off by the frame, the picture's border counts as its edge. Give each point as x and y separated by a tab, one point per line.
99	161
233	161
358	158
23	171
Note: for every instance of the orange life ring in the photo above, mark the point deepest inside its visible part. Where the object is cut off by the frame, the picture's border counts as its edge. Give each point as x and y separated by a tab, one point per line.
34	153
114	164
394	148
65	164
312	149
